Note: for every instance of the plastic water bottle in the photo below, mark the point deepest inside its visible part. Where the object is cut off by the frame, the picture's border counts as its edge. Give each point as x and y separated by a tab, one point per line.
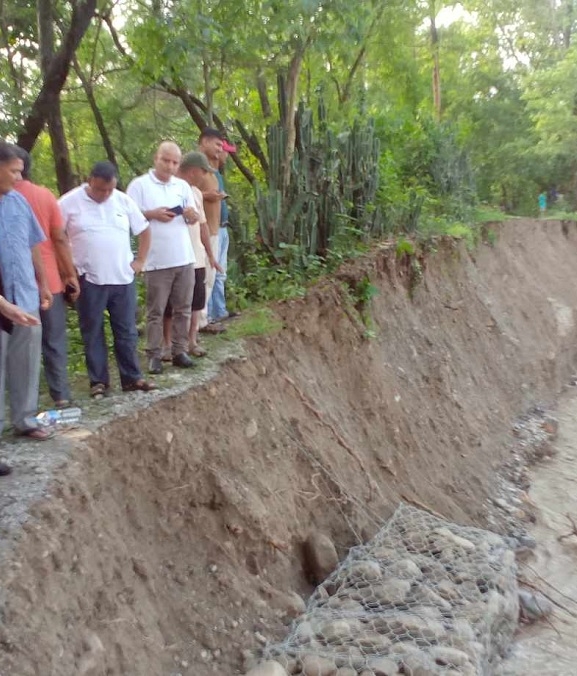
62	416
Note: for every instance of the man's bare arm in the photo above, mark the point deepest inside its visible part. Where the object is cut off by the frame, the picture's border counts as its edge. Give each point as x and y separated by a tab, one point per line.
64	261
205	239
40	272
143	248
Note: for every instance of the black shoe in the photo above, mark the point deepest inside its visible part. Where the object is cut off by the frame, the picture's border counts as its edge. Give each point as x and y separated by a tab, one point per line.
155	366
5	469
183	360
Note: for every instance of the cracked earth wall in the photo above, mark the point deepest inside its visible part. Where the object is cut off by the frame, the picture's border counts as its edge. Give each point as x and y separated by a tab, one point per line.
169	540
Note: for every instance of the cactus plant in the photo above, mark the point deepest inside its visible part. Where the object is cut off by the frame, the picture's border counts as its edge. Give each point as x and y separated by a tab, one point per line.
333	183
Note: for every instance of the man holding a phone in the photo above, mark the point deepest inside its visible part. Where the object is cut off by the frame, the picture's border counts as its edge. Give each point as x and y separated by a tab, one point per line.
167	203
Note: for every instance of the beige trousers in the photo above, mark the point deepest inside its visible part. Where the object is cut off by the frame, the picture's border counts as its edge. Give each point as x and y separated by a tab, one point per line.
176	285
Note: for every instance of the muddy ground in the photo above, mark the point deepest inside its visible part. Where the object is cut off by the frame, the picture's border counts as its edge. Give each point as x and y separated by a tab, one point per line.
157	542
548	648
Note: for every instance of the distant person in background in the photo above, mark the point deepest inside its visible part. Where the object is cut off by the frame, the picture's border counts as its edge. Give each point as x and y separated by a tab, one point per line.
542	203
60	274
217	311
99	221
25	285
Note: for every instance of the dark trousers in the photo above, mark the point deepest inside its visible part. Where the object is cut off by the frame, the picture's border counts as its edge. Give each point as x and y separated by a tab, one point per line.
54	348
120	301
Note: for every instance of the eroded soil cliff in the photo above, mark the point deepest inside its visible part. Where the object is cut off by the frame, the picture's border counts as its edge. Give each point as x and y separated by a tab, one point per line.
164	543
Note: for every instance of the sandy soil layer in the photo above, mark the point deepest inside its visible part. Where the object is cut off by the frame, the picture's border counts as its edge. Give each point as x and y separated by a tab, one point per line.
163	544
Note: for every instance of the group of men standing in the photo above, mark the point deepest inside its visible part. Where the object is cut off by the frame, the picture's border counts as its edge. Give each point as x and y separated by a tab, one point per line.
79	250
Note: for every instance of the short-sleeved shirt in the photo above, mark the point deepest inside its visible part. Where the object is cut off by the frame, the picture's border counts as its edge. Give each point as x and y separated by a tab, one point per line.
197	245
19	232
170	245
47	211
99	234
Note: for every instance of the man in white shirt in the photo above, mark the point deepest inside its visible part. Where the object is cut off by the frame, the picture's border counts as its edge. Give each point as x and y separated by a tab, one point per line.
168	204
99	220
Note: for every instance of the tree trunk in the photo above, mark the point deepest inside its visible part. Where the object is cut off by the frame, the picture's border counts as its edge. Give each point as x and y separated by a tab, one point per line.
263	95
56	73
252	143
207	92
291	103
436	64
45	18
568	23
98	118
63	168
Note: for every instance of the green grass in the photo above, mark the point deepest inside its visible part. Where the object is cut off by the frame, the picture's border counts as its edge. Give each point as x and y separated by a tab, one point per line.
462	231
560	215
489	214
255	321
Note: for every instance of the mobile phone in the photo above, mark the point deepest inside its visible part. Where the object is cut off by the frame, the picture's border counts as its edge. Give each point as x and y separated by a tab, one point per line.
177	210
69	291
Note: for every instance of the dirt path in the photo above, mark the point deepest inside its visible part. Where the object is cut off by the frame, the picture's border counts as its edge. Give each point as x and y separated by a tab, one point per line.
551	649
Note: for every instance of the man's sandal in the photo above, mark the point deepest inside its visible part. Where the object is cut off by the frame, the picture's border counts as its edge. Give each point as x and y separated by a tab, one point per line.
98	390
140	386
37	434
197	351
63	403
213	329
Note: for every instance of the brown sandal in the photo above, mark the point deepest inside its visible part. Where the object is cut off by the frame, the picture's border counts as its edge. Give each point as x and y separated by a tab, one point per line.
38	434
140	385
213	329
98	391
197	351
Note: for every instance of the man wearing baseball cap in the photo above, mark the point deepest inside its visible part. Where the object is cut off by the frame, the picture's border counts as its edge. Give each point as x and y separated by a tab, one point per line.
194	168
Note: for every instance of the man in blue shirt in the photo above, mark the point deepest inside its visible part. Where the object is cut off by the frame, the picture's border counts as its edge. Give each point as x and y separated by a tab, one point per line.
26	286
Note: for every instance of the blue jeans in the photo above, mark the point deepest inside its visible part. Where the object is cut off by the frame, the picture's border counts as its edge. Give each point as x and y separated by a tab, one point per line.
54	348
217	302
120	301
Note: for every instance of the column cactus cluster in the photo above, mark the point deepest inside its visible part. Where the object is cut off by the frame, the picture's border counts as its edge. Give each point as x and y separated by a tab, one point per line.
331	191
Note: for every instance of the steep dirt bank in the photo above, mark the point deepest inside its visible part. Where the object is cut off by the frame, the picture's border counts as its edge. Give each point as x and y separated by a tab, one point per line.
163	541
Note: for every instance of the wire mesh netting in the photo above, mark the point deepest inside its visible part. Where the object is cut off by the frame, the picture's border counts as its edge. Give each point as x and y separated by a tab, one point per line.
425	596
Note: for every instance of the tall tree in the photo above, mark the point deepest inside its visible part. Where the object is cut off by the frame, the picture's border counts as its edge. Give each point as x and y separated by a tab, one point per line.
46	42
56	72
